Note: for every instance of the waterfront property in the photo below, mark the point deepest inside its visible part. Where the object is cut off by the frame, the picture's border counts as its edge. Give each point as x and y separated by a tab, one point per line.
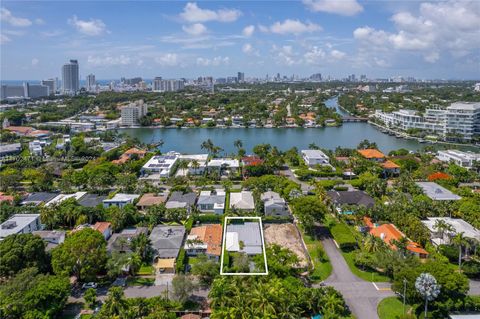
437	192
315	157
463	159
161	165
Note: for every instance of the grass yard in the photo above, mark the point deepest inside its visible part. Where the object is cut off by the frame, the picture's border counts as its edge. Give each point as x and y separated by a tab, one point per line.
140	281
322	269
146	270
391	308
372	276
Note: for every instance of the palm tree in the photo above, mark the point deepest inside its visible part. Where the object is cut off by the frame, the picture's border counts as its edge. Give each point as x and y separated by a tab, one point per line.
428	288
207	145
48	216
134	263
442	226
460	241
238	144
141	245
115	304
371	244
195	166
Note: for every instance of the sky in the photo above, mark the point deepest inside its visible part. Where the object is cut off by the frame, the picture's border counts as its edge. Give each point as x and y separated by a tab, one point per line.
174	39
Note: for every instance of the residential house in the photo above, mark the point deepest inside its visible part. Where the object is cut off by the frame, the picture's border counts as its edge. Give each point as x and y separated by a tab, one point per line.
53	238
205	240
91	200
10	149
63	197
315	157
437	192
443	236
128	154
181	200
20	224
252	160
389	234
390	168
105	228
274	205
166	243
242	201
351	198
223	165
245	238
120	200
463	159
149	200
120	242
38	198
211	201
163	165
372	154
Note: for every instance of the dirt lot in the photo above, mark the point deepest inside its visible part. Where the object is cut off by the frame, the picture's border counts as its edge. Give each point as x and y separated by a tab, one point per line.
287	236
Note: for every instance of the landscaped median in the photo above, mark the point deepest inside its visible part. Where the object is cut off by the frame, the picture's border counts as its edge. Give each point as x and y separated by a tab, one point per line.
322	268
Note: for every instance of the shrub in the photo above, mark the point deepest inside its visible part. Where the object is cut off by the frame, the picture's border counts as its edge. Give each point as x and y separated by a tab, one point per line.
449	251
471	269
209	218
181	260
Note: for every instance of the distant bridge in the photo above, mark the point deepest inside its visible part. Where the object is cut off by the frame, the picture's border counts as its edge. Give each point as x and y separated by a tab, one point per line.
347	119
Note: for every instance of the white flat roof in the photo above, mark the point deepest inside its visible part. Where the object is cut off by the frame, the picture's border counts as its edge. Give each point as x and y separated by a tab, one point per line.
16	223
193	157
62	197
121	198
314	154
232	243
437	192
217	162
458	224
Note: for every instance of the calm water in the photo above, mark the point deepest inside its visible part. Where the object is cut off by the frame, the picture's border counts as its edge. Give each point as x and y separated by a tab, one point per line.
188	140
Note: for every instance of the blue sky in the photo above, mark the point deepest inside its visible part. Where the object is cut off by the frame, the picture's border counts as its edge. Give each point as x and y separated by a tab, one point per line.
175	39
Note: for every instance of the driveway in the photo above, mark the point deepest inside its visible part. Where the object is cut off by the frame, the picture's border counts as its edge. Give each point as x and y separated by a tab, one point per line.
362	297
306	187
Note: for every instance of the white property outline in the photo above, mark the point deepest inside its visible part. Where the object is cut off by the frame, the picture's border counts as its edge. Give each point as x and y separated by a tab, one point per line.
223	248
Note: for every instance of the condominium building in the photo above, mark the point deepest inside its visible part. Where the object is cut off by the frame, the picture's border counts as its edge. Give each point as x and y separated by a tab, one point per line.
160	85
91	83
464	159
131	113
26	90
459	120
51	84
70	77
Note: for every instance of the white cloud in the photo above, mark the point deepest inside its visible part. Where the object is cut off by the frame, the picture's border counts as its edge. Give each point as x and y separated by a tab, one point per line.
193	13
285	55
7	17
315	56
263	28
293	27
4	39
452	27
39	21
109	60
92	27
248	30
249	49
337	55
216	61
168	59
341	7
195	29
35	61
51	34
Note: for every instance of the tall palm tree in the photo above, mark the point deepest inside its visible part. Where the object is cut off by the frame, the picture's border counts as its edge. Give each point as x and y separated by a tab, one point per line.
460	241
195	166
134	263
115	304
207	145
141	245
371	244
442	226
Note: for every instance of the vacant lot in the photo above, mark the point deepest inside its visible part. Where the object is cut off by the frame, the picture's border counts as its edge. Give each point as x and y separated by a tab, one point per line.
287	236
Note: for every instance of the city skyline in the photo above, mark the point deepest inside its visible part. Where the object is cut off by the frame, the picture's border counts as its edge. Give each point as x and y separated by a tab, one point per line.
191	39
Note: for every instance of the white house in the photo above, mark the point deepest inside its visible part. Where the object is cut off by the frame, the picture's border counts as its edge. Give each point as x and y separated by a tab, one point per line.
223	164
161	164
242	201
120	200
458	226
274	205
315	157
20	224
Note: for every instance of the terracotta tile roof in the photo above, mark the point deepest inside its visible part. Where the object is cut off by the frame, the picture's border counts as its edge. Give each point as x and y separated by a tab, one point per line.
391	233
151	199
19	129
437	176
390	165
252	161
6	198
190	316
210	235
101	226
371	153
38	133
128	153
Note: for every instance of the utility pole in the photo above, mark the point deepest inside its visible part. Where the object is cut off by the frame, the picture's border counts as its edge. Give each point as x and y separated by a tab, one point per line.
404	293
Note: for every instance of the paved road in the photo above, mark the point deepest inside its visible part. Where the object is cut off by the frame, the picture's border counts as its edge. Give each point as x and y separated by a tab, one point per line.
361	296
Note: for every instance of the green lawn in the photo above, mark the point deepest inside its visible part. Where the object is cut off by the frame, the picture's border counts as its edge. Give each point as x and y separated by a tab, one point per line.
146	270
365	275
322	269
192	260
139	281
391	308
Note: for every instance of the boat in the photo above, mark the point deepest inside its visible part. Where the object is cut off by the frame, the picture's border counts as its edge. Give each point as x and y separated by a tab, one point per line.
422	141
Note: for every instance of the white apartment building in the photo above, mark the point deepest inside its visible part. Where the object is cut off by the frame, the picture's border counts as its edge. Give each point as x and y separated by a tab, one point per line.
160	85
464	159
131	113
460	119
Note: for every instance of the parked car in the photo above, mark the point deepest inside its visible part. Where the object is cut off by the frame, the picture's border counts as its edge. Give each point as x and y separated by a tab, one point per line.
89	285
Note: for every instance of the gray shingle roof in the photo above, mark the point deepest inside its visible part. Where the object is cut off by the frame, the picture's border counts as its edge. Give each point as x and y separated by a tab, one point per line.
188	198
167	240
91	200
39	197
351	198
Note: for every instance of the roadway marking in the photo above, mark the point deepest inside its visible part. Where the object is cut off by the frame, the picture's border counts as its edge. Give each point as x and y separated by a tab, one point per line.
380	289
